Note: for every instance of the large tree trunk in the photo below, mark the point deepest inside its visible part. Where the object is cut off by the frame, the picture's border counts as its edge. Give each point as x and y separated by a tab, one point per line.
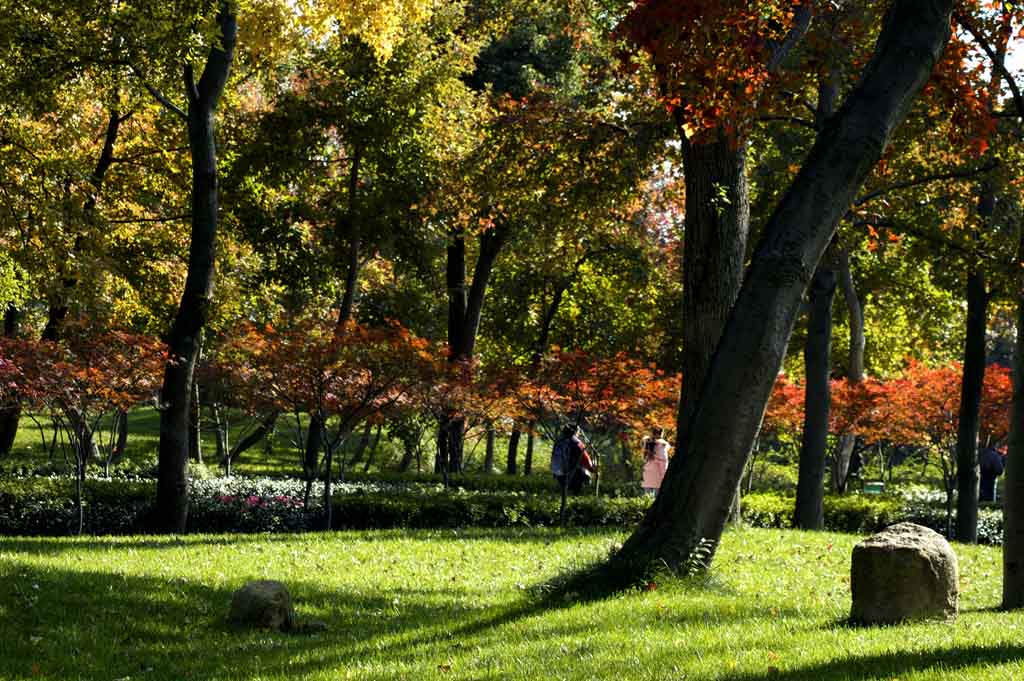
967	475
714	247
847	441
685	523
1013	484
183	337
810	491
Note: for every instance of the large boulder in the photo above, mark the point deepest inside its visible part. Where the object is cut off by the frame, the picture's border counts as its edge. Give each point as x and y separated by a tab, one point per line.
905	572
265	604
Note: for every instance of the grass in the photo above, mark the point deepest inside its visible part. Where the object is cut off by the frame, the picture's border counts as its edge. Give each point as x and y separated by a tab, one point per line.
460	605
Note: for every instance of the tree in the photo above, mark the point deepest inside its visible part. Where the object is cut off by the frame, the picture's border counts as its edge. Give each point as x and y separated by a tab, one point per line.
80	381
686	520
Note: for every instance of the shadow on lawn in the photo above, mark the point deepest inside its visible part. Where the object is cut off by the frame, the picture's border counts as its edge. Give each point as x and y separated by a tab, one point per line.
889	665
98	625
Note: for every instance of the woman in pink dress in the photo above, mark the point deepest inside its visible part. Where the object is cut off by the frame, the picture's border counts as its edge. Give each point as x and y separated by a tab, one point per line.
655	461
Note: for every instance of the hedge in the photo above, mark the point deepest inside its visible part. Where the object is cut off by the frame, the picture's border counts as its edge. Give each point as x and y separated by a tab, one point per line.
45	506
864	514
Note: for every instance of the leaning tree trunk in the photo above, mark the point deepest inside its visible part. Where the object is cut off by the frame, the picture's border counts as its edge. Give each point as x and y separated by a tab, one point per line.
716	227
1013	483
967	476
855	374
685	523
183	338
810	489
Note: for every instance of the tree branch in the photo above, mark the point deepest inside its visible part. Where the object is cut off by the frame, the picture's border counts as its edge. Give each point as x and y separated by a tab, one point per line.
952	175
168	218
790	119
157	95
998	63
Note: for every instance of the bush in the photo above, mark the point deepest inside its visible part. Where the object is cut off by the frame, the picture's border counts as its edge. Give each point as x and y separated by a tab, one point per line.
45	506
859	513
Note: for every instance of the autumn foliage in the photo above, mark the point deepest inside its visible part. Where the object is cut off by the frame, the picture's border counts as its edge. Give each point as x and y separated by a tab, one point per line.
919	407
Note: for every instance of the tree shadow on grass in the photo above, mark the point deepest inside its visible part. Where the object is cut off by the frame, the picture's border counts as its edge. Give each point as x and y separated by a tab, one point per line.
893	664
96	625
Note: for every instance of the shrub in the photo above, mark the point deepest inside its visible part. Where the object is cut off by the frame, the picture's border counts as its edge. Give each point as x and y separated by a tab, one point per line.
44	506
863	514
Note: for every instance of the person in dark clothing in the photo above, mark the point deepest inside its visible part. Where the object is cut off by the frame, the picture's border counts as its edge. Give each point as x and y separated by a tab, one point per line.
991	463
566	457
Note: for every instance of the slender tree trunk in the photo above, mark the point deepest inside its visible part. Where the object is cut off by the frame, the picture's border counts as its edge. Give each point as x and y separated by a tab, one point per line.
967	474
810	492
1013	483
489	452
263	430
685	522
373	448
354	243
364	442
513	452
10	413
408	456
195	436
847	441
465	307
183	337
528	461
716	227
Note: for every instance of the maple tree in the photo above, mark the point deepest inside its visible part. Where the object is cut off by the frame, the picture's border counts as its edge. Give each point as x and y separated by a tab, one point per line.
341	379
82	381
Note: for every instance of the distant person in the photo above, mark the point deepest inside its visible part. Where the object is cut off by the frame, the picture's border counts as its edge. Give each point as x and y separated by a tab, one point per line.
656	449
991	463
569	461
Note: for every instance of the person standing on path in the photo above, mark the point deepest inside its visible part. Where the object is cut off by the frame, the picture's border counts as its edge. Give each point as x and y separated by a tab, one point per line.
656	450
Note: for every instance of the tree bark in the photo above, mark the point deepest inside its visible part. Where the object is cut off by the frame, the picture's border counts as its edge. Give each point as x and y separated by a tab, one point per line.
373	448
183	337
10	413
685	523
512	463
847	441
1013	483
348	301
967	474
716	227
364	442
810	491
465	308
261	431
489	452
528	460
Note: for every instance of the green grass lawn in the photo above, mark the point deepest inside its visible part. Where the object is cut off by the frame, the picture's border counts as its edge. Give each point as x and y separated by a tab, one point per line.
461	605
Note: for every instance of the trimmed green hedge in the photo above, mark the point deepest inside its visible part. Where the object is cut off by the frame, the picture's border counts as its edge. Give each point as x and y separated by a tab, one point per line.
865	514
45	506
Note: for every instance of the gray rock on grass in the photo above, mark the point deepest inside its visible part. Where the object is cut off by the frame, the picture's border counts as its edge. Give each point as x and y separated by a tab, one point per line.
263	604
905	572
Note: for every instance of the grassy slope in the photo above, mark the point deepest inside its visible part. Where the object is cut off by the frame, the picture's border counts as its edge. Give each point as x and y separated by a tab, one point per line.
447	605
